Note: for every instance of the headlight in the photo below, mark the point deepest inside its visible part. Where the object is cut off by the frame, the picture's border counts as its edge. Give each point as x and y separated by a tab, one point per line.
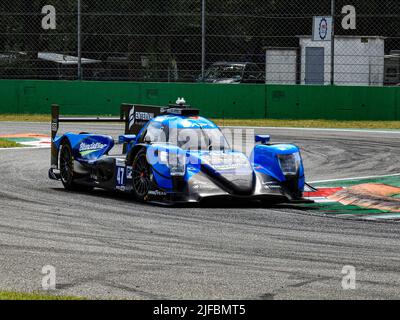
289	163
176	162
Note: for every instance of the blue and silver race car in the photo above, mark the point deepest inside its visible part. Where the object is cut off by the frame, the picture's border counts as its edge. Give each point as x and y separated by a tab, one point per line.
172	155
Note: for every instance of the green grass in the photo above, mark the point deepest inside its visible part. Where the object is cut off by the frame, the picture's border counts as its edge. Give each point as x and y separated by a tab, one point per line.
25	117
33	296
9	144
334	124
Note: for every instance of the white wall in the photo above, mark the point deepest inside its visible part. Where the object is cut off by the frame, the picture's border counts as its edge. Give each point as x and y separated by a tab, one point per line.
356	62
281	66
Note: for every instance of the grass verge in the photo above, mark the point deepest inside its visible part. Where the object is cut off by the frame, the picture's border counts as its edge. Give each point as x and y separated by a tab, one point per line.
334	124
25	117
9	144
33	296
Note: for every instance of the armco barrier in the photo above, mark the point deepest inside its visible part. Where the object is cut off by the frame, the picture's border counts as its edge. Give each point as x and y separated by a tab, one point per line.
217	101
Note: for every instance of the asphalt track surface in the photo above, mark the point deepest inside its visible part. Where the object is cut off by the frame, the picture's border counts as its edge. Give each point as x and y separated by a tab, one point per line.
107	246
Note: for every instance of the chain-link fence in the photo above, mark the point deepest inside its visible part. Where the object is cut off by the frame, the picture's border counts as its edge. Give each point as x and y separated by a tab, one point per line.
220	41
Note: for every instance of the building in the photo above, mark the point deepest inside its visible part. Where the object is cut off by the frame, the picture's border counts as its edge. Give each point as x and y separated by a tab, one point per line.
358	60
282	65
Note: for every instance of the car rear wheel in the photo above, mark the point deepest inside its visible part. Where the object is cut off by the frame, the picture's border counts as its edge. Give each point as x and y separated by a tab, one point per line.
67	169
141	176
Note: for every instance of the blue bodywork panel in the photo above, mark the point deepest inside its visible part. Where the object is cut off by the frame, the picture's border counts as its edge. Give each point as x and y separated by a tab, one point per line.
87	147
265	159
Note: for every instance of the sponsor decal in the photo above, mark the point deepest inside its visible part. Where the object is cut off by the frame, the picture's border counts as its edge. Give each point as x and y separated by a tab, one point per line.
139	117
227	167
198	183
225	163
93	146
85	148
204	188
157	193
221	159
143	116
271	185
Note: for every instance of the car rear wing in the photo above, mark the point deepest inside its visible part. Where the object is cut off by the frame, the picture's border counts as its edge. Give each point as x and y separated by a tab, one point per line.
133	116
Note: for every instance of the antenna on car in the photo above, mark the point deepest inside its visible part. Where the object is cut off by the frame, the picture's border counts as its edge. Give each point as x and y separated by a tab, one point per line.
181	108
181	102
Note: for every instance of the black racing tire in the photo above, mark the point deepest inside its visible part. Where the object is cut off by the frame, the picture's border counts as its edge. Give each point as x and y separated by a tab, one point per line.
141	176
67	173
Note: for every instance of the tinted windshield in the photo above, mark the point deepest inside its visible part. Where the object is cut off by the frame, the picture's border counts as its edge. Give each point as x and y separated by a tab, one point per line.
198	139
225	72
187	139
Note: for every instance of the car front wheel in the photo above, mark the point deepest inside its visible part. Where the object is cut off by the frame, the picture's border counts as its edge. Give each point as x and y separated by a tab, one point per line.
141	176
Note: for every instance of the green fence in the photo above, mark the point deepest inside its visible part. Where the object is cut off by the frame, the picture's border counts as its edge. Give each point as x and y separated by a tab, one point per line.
217	101
333	102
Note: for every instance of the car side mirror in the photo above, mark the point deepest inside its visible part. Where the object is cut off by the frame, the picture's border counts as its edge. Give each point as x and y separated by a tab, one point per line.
264	139
126	138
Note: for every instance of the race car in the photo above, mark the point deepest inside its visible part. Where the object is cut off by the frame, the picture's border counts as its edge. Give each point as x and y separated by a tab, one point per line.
173	155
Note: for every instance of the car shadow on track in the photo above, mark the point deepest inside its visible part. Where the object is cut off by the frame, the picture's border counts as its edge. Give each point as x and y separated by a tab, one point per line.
209	204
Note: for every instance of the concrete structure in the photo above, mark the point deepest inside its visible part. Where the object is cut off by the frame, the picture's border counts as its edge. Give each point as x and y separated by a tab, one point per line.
281	65
392	68
358	60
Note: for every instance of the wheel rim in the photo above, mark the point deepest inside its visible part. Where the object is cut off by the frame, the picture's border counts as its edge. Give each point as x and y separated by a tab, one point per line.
141	176
66	169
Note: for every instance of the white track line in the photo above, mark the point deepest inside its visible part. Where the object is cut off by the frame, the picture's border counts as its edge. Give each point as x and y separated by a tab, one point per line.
357	178
317	129
24	148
